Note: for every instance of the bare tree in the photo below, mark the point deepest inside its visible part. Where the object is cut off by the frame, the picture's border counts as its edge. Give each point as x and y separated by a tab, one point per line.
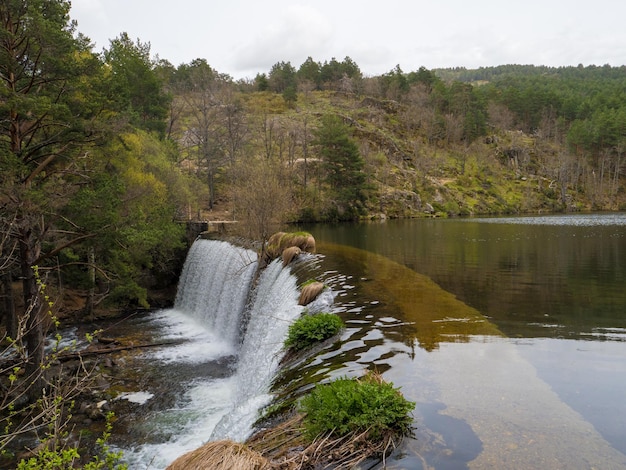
262	197
204	137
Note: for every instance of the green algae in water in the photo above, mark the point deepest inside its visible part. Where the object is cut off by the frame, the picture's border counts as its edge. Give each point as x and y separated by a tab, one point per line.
437	315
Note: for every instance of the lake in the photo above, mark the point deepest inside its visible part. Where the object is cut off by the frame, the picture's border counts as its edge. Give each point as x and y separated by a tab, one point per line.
508	333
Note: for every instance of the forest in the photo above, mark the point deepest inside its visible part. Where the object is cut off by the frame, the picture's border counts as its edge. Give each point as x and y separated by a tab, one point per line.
106	156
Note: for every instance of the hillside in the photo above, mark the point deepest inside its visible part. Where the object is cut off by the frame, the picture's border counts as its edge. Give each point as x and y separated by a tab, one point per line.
522	139
506	171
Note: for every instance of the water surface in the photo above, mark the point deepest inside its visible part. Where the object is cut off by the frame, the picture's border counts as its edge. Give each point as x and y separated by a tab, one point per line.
509	333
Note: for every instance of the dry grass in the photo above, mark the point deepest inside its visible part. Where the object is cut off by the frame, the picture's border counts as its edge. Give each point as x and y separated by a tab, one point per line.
221	455
310	292
289	254
286	449
279	241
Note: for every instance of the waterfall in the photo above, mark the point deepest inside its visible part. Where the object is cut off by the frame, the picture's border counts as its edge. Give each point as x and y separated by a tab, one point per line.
216	297
274	308
214	286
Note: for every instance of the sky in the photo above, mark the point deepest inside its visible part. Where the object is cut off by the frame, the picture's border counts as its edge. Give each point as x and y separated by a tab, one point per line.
244	37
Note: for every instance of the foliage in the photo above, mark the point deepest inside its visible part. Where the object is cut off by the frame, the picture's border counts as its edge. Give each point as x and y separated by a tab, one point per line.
343	165
102	154
282	76
131	205
262	199
52	97
136	84
346	406
49	418
329	75
67	458
311	329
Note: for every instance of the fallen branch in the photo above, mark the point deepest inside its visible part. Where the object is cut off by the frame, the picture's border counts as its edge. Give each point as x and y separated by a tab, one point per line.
96	352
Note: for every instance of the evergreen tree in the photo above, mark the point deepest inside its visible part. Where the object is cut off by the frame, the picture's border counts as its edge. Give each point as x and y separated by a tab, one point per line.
261	82
343	165
310	70
136	85
282	76
50	104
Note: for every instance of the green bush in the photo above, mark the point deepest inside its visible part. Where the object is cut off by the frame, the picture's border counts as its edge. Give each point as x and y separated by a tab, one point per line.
67	458
347	406
311	329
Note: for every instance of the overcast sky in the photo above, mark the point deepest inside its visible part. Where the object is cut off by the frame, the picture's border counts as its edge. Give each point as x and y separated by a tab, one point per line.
244	37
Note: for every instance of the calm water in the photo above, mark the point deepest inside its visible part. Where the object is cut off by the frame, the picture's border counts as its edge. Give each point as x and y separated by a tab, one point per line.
508	333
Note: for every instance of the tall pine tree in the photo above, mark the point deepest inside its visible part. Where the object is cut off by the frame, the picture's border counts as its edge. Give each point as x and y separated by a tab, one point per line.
343	166
49	111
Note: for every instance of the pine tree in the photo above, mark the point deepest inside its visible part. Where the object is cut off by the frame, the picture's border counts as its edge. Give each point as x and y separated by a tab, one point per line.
49	120
343	165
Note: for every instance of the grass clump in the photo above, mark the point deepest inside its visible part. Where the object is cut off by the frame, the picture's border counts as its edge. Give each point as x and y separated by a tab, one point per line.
353	406
221	455
339	425
311	329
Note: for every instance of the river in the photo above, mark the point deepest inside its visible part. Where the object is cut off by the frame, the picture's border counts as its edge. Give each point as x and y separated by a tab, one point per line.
509	334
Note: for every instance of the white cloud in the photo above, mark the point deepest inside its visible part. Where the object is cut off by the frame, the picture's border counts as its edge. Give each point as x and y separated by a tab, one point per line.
301	31
245	37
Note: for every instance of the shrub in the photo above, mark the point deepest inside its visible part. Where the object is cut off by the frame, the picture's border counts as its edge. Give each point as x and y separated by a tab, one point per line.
349	406
311	329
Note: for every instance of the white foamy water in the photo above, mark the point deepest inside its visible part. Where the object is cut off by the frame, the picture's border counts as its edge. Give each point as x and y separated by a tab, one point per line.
205	404
215	284
274	308
214	303
197	342
135	397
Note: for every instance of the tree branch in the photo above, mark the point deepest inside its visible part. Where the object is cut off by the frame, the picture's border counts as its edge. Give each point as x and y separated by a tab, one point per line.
66	245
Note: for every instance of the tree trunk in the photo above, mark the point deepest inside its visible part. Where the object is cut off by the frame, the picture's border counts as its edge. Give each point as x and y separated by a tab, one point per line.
305	149
9	305
211	184
91	262
29	252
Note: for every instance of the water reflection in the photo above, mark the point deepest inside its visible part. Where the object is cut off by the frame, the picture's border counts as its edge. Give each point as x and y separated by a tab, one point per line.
563	277
488	325
427	312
